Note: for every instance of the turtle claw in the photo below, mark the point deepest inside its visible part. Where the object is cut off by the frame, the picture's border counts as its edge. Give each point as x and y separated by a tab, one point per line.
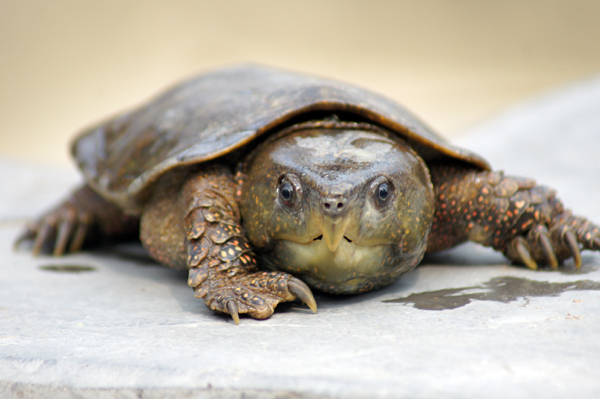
300	290
233	311
255	294
79	237
520	246
40	239
546	245
571	241
56	229
64	233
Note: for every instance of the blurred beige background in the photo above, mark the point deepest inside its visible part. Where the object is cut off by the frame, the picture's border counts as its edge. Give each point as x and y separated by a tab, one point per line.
67	63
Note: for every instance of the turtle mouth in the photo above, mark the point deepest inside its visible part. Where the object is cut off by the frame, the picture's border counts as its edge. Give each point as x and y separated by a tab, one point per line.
319	238
341	267
334	232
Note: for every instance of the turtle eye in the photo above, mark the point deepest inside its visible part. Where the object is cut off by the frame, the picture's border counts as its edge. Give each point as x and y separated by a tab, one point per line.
290	191
287	193
382	191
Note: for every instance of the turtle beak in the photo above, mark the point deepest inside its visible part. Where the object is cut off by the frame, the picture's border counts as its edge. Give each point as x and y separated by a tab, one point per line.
335	219
333	232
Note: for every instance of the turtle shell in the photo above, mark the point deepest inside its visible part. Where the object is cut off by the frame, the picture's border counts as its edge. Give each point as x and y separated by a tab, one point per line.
213	114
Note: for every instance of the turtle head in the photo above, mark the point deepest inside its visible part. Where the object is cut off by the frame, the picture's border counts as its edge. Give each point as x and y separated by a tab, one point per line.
346	210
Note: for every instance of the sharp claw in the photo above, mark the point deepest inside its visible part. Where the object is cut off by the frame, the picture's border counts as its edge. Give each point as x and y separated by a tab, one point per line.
571	241
233	311
524	254
299	289
79	237
64	231
546	245
40	239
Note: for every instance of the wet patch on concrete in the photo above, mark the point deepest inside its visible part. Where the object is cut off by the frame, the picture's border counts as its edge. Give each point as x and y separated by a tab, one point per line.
499	289
63	268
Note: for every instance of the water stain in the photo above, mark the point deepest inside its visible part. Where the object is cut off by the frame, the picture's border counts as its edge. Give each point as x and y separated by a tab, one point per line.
60	268
499	289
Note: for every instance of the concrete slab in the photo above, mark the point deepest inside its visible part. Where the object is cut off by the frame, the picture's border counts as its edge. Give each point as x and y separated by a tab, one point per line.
112	323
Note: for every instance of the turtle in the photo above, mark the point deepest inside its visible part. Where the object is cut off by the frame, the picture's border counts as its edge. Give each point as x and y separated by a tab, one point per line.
265	184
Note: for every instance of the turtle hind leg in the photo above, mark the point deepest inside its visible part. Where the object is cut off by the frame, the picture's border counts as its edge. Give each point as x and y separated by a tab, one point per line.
524	221
222	265
83	218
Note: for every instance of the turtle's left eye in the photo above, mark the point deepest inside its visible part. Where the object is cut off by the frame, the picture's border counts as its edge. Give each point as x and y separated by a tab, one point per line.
290	191
287	193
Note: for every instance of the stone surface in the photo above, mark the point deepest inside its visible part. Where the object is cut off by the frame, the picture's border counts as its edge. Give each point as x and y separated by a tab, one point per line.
123	326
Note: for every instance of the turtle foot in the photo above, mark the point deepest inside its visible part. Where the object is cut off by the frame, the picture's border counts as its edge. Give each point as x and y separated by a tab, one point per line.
255	294
223	268
561	239
61	230
525	221
81	219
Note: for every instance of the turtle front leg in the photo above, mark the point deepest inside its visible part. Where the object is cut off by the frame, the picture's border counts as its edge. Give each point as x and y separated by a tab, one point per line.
84	217
222	265
526	222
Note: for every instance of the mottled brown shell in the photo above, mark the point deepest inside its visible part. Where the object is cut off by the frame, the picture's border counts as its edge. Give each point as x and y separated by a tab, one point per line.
212	114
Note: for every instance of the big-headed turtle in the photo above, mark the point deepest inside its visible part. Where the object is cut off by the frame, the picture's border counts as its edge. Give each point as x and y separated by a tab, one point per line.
259	181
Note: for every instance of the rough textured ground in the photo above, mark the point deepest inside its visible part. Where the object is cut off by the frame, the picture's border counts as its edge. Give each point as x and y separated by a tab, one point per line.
113	324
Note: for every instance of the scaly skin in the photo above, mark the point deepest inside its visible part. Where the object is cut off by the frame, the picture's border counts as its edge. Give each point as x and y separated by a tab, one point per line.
197	226
223	268
524	221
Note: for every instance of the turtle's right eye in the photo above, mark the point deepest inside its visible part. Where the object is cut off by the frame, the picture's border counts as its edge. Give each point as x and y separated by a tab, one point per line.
290	191
382	191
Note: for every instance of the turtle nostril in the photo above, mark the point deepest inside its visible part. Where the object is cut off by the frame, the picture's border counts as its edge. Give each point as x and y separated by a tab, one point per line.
333	205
